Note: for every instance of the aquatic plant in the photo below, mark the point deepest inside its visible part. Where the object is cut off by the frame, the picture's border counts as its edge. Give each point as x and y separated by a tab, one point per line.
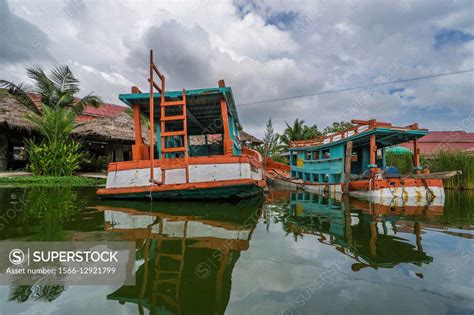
73	181
443	161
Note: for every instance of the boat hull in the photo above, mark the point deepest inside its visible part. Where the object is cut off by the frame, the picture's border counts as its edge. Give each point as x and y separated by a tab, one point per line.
219	177
232	191
385	189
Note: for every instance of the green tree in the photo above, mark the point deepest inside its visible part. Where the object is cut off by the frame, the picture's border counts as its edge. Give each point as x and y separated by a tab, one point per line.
56	153
271	145
56	90
337	126
298	131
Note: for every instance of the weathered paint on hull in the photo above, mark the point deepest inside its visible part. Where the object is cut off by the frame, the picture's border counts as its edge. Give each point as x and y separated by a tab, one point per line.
203	178
283	183
378	191
228	192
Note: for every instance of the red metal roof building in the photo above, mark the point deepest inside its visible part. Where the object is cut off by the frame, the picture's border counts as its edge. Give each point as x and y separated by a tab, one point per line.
106	110
90	113
444	141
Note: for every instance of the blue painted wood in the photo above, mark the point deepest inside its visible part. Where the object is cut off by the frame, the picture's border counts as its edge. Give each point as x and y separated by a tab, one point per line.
325	163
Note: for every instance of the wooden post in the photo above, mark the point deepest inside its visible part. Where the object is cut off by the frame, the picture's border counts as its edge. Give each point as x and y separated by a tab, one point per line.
152	120
136	150
416	156
372	152
225	123
347	166
227	141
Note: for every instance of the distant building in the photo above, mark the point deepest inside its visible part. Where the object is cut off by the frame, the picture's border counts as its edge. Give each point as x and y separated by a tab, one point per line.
106	132
249	140
444	141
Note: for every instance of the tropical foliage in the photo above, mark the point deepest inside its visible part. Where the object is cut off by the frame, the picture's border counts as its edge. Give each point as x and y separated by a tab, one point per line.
272	147
56	90
298	131
444	161
55	154
337	126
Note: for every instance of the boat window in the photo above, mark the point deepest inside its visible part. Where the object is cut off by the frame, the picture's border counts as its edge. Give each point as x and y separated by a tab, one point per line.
326	154
292	159
205	145
316	155
326	178
308	155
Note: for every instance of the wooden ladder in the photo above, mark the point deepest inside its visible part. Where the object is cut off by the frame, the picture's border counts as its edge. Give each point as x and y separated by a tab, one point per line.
171	277
182	134
177	133
165	133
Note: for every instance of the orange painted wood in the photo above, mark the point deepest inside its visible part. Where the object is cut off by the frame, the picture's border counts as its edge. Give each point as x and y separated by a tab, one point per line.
195	160
152	119
363	185
170	150
416	156
170	118
155	85
225	123
173	103
373	150
162	77
173	133
169	187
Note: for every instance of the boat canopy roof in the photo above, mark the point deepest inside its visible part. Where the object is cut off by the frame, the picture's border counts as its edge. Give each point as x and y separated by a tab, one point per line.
385	134
203	107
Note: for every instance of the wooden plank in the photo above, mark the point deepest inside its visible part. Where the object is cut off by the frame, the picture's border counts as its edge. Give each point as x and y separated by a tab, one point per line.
169	118
173	103
438	175
155	85
170	150
347	166
173	133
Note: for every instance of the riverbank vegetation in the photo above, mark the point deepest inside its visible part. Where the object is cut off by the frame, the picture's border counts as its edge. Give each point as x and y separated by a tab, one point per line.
73	181
275	144
441	161
55	153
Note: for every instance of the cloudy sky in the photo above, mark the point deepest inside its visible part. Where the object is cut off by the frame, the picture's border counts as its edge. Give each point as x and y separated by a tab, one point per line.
264	50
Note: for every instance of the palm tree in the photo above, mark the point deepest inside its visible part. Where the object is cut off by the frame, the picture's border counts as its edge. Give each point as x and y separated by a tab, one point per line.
56	154
299	131
56	90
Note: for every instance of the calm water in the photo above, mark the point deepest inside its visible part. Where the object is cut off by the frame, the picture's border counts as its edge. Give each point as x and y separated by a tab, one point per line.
287	253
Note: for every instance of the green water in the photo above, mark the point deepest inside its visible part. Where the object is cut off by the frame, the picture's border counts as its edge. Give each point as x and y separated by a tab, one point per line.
284	253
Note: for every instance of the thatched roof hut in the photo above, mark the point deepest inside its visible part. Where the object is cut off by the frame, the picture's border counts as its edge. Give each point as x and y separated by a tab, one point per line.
248	138
12	114
116	129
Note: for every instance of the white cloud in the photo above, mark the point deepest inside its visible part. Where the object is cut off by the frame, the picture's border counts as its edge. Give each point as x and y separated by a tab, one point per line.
329	45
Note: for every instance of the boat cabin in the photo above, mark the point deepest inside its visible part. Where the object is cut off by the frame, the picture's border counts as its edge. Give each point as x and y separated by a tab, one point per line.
354	151
205	123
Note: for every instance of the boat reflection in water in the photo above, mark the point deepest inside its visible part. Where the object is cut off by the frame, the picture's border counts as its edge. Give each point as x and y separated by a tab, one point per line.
362	230
185	252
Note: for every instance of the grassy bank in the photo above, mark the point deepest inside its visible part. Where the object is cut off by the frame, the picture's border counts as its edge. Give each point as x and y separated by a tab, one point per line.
442	161
451	161
74	181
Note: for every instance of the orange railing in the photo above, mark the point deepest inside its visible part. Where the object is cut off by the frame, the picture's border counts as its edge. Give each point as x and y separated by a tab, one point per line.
361	126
